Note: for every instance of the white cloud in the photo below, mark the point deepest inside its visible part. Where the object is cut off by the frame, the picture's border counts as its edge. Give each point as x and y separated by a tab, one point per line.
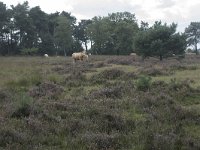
178	11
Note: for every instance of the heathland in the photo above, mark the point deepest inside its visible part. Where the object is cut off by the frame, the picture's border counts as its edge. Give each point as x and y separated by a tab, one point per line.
109	102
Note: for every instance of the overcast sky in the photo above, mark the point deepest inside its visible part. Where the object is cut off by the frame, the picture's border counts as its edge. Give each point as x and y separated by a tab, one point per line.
178	11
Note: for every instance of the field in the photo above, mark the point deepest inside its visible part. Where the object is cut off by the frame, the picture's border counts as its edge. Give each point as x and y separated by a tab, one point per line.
110	102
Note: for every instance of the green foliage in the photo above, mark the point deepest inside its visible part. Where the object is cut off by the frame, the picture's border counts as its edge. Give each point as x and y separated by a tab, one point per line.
29	51
24	28
22	84
81	32
23	106
99	33
113	34
143	83
160	40
63	34
193	34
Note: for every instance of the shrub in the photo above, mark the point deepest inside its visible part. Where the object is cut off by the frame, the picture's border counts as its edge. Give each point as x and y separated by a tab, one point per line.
121	60
143	83
23	106
154	71
110	74
5	95
183	67
29	51
100	141
54	78
129	76
111	92
10	136
22	84
76	75
75	79
48	89
177	85
99	65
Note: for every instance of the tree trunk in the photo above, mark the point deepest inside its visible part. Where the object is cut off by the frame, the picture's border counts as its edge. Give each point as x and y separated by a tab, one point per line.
86	46
91	44
196	50
7	39
65	52
161	57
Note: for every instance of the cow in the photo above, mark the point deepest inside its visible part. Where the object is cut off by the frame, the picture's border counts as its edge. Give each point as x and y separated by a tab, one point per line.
79	56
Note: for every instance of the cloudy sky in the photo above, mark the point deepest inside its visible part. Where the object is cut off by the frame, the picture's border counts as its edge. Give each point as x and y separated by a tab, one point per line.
178	11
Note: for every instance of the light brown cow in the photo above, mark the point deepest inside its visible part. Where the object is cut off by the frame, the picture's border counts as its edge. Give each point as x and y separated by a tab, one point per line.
79	56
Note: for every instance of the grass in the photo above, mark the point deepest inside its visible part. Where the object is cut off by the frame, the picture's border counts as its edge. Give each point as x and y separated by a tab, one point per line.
106	103
193	131
126	68
182	75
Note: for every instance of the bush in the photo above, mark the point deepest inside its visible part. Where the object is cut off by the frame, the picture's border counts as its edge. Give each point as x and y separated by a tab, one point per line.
75	79
111	92
29	51
143	83
47	89
22	84
11	136
100	141
23	106
154	71
110	74
121	60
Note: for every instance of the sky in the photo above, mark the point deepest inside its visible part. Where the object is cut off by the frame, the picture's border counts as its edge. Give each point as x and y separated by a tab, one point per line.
181	12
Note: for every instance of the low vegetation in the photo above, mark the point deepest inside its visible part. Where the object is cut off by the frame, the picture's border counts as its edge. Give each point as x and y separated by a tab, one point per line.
107	103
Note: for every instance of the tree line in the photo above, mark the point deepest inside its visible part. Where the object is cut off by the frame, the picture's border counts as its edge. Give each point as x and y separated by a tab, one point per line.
31	31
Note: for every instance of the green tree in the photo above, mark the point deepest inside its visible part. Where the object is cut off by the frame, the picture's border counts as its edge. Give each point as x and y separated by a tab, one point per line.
122	16
63	35
22	22
4	29
113	34
81	32
160	40
39	26
124	36
144	26
124	27
99	34
3	18
193	34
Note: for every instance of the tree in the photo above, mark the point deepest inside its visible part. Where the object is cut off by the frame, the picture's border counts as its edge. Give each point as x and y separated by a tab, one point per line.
124	36
81	32
160	40
144	25
63	35
124	28
98	32
113	34
40	26
122	16
4	29
22	22
3	17
193	34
